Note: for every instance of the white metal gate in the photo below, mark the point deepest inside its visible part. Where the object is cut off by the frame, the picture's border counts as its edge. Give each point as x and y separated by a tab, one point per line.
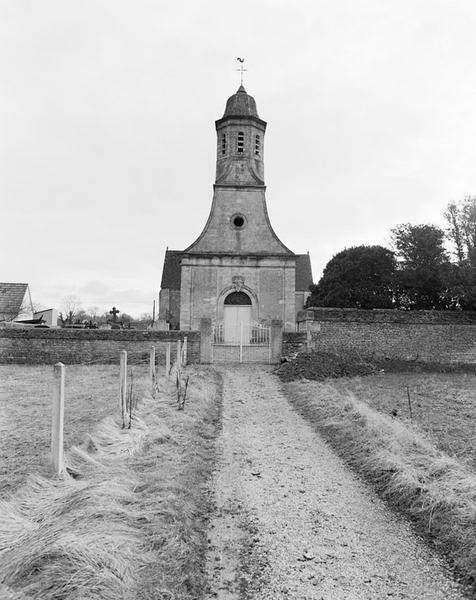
253	344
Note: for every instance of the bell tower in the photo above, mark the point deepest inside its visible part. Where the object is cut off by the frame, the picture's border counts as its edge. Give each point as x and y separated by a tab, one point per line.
240	143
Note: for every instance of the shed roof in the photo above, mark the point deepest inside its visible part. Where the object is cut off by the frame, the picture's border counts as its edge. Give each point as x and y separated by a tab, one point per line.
171	271
11	300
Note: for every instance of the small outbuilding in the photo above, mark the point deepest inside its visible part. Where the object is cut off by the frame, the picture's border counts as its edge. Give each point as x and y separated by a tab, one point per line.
15	302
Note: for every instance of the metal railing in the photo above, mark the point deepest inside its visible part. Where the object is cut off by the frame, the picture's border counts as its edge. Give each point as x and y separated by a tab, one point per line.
250	335
218	334
259	335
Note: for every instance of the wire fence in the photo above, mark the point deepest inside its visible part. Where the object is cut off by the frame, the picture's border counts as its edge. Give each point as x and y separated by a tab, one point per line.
128	396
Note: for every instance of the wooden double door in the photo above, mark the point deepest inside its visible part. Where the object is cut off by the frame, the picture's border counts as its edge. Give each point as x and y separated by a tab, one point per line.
236	324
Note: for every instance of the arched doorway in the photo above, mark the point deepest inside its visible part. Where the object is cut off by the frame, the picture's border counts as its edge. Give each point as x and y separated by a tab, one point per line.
237	318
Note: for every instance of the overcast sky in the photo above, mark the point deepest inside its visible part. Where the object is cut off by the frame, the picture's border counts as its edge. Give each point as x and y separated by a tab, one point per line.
107	138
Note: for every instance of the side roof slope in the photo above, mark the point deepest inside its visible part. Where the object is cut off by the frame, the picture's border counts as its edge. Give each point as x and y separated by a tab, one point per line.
303	272
11	299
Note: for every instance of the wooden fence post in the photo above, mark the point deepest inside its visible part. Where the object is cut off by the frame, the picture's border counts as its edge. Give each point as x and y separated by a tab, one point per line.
179	352
241	342
123	387
167	359
184	351
152	364
58	419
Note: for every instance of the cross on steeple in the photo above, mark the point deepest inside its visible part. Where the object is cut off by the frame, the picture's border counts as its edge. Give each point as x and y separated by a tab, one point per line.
241	69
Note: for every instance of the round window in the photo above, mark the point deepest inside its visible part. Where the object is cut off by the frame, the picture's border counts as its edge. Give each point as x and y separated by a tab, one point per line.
238	221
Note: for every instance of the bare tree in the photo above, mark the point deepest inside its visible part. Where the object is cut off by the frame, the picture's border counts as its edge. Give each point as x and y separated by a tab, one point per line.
93	312
70	305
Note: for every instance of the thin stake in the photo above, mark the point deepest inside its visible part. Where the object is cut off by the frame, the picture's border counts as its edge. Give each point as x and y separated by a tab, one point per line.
182	393
58	419
184	396
167	359
131	397
184	351
178	385
179	352
123	387
241	342
152	364
410	405
152	373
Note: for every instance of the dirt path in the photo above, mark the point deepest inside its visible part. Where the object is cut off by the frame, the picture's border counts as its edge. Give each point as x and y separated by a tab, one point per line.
293	522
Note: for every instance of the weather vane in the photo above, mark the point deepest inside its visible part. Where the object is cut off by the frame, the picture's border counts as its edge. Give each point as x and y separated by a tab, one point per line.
241	69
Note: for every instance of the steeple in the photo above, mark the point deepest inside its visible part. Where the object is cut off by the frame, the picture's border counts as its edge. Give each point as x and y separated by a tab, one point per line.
238	223
240	142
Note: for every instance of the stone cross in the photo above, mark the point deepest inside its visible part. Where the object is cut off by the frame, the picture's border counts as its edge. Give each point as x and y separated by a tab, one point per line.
114	312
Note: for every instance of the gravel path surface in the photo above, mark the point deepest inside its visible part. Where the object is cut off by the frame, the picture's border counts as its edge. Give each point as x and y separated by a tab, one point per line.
291	519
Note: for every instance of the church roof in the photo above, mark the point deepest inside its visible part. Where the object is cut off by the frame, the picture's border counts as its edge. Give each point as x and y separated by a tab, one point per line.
241	104
11	300
303	272
171	271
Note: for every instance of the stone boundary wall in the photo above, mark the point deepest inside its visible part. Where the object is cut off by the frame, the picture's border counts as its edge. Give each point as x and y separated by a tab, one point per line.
91	346
382	315
294	342
431	336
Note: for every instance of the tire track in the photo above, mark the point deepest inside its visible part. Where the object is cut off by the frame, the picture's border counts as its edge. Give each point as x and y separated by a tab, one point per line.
293	522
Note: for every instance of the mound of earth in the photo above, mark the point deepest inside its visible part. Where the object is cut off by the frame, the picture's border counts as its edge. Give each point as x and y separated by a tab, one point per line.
320	365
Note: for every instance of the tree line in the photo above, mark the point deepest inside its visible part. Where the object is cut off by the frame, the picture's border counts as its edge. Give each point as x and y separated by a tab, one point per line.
73	314
426	267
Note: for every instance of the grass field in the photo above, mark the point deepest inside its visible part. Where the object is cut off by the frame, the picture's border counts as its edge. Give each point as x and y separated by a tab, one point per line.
443	405
131	521
91	393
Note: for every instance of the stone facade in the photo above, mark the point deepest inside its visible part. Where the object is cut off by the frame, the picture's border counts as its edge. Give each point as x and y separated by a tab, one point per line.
169	309
238	249
268	281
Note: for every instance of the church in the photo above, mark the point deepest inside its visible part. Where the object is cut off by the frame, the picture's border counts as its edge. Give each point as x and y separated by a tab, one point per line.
237	273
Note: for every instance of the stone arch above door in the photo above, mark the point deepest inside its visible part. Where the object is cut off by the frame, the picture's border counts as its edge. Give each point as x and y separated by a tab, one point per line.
240	298
231	289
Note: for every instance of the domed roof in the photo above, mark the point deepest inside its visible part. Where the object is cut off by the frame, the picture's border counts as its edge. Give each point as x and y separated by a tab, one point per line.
241	105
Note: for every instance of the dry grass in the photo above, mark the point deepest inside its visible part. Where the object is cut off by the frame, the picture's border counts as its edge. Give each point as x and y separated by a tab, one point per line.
130	524
443	406
91	393
437	491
